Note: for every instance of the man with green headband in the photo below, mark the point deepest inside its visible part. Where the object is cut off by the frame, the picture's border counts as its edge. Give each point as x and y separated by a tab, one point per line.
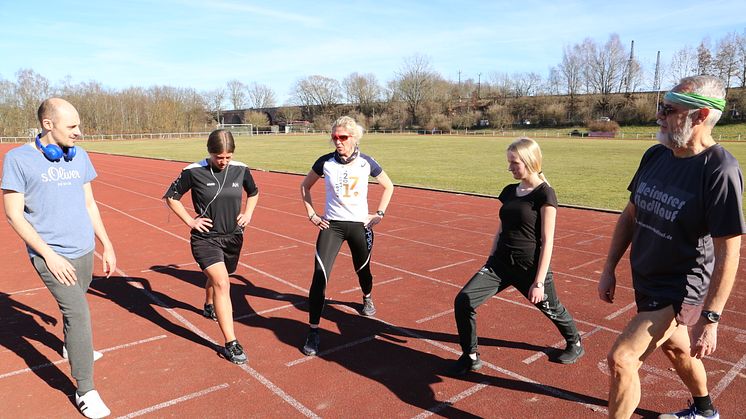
684	223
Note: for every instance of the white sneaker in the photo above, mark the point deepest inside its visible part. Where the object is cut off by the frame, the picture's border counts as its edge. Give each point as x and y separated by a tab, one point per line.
96	354
91	405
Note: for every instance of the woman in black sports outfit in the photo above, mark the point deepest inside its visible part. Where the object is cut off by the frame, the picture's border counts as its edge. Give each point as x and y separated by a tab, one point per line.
520	256
217	184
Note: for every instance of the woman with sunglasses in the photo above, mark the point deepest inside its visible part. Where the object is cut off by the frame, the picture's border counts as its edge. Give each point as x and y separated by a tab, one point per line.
345	218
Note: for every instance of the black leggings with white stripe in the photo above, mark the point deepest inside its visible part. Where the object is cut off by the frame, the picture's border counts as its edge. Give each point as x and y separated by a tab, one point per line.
360	241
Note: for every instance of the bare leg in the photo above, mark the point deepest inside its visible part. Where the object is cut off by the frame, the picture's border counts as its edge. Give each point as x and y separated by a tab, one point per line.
644	333
217	276
691	370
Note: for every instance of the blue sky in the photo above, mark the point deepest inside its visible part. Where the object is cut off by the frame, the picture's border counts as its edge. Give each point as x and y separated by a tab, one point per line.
203	44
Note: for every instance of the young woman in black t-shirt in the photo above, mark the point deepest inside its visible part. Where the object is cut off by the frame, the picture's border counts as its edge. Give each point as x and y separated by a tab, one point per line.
217	184
520	257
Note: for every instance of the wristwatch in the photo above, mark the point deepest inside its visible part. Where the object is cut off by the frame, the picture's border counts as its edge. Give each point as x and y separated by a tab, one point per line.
380	213
711	316
539	285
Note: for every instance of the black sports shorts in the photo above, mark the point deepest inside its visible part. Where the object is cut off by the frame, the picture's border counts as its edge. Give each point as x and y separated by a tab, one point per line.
208	251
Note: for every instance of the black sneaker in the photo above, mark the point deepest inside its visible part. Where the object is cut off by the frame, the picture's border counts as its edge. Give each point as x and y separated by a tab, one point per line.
209	312
311	348
368	308
571	354
465	364
233	352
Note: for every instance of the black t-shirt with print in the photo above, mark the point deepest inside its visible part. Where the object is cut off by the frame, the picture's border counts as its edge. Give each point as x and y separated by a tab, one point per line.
680	204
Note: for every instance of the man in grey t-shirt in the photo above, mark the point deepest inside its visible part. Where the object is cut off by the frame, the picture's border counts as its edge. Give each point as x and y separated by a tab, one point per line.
49	202
684	222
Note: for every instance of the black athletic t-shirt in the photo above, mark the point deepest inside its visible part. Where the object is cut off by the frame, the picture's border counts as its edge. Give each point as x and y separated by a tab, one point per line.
680	204
520	217
215	194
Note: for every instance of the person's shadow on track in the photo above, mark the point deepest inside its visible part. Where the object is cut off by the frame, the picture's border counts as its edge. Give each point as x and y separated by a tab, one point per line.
19	329
128	293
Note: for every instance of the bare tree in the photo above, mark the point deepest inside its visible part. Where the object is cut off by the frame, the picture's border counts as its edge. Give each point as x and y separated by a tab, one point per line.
320	91
261	96
363	91
525	84
683	64
607	65
236	93
214	101
726	56
704	58
415	84
741	58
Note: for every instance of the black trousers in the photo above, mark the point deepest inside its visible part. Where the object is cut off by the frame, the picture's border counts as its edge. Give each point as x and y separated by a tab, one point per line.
492	279
360	241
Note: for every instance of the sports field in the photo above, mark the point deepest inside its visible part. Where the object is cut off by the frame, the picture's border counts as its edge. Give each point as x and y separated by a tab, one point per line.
585	172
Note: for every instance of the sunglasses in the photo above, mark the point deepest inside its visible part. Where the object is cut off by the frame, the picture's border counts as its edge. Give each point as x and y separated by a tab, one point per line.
666	110
340	137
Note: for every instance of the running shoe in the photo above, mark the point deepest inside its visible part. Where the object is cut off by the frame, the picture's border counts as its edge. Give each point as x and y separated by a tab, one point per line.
368	308
311	348
465	364
691	413
91	405
209	312
571	354
233	352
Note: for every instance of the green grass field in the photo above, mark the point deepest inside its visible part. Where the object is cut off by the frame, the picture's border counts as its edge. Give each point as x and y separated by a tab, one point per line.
585	172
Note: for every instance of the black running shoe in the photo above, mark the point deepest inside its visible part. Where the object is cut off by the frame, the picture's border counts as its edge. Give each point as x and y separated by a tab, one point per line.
571	354
311	348
465	364
209	312
233	352
368	308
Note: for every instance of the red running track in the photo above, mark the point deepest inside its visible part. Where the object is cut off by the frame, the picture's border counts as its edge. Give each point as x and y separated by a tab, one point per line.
159	357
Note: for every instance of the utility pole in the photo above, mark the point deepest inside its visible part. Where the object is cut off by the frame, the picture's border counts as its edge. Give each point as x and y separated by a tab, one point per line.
628	76
657	81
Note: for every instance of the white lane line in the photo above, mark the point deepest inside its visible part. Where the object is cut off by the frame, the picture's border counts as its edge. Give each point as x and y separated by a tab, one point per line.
587	263
728	378
621	311
453	400
556	345
450	265
269	250
330	351
259	313
169	266
172	402
376	284
8	294
62	361
194	329
434	316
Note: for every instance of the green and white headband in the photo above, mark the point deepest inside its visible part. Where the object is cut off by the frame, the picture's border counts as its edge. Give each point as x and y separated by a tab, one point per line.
695	101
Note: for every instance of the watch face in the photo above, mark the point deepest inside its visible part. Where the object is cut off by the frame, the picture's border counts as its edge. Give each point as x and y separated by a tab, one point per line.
712	317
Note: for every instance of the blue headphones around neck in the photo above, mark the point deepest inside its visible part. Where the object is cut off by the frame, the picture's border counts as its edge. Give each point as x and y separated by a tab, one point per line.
53	152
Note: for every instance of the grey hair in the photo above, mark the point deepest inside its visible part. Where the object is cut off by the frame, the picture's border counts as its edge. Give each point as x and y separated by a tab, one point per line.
704	85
